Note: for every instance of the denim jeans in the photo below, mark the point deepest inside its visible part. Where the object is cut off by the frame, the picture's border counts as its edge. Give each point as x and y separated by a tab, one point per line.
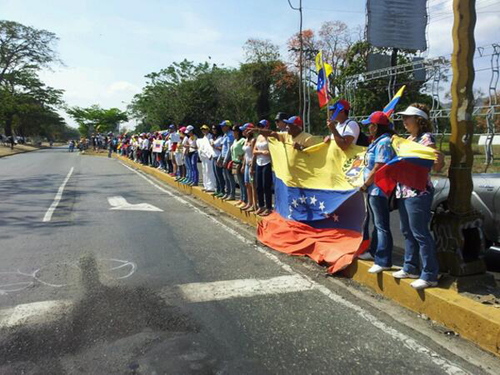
264	182
366	230
415	215
219	178
379	206
230	183
243	189
193	160
187	161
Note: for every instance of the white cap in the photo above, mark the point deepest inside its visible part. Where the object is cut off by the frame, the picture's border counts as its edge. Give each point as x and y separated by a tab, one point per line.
413	111
189	128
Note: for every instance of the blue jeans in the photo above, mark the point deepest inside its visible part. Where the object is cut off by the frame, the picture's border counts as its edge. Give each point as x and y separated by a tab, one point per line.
366	230
230	183
219	179
187	161
243	188
193	160
415	215
379	206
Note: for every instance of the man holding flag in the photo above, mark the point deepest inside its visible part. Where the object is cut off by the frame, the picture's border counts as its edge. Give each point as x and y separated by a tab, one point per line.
345	132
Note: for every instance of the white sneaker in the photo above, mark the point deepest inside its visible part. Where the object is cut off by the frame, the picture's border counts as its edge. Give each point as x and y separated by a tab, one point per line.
404	275
422	284
366	256
377	269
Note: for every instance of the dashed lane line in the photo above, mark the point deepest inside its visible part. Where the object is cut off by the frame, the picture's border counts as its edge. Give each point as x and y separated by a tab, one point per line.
57	199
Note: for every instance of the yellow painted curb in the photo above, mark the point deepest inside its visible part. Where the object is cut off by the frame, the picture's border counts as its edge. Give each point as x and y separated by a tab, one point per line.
470	319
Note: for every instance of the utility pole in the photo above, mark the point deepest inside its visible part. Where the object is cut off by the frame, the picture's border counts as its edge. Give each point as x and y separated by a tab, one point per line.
458	231
301	53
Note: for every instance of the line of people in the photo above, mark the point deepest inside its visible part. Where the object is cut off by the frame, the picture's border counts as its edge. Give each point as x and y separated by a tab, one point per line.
234	156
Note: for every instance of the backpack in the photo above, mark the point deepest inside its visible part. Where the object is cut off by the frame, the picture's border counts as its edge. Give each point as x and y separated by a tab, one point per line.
363	139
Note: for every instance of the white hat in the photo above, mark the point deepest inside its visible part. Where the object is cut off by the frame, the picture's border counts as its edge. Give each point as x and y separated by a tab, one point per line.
413	111
189	128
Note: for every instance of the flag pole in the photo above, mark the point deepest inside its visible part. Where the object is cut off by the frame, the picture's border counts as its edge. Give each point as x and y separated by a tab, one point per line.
326	85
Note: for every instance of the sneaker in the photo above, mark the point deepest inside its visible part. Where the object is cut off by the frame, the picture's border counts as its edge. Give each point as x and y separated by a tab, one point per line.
401	274
422	284
377	269
366	256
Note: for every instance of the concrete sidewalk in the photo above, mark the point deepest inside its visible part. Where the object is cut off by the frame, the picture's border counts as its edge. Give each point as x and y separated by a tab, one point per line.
470	319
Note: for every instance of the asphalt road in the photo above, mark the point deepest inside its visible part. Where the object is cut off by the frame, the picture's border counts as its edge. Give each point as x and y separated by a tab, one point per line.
184	290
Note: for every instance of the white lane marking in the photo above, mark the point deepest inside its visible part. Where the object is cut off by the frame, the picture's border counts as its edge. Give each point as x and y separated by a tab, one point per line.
33	313
406	340
244	288
120	203
57	199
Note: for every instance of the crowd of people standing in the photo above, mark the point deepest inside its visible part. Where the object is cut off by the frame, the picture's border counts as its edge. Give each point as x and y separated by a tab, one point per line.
237	165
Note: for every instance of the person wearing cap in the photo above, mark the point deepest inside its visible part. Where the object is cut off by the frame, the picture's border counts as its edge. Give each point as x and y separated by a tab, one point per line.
145	150
263	170
377	155
192	154
294	135
174	139
280	123
206	153
216	143
345	132
237	155
187	161
248	162
420	261
179	156
225	158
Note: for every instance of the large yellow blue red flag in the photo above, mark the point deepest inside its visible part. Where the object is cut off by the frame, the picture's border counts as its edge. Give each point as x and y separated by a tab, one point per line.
324	70
319	208
410	166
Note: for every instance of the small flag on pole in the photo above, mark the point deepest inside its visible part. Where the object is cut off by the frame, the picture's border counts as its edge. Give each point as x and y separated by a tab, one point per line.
389	108
323	70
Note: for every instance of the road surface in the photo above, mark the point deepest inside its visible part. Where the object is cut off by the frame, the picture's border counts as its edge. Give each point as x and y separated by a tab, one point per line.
107	271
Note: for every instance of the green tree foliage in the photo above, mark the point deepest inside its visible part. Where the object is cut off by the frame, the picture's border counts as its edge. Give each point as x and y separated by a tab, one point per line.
189	93
97	119
28	106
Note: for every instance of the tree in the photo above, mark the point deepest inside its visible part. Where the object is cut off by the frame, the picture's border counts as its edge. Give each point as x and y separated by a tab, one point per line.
24	48
95	118
23	52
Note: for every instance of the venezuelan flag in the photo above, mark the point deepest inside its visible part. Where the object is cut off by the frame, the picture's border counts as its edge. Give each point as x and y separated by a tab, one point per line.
390	108
319	208
323	70
410	166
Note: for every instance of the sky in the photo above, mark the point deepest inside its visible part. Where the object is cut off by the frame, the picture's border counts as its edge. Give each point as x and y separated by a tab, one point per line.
108	46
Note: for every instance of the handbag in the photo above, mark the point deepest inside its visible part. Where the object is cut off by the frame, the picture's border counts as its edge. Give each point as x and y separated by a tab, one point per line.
235	167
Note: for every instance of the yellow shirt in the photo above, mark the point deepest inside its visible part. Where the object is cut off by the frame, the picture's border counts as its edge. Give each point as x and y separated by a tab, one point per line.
303	139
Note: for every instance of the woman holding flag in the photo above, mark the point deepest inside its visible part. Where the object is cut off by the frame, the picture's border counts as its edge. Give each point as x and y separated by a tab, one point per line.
415	208
377	155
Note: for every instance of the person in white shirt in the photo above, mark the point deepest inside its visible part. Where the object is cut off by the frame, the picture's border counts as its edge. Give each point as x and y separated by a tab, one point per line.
206	153
345	132
145	150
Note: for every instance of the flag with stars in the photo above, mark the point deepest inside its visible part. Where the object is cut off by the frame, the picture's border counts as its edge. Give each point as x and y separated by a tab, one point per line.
319	208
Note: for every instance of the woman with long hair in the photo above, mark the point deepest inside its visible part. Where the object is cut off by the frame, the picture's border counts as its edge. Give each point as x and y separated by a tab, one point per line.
192	154
216	143
377	155
247	166
263	172
237	155
414	205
